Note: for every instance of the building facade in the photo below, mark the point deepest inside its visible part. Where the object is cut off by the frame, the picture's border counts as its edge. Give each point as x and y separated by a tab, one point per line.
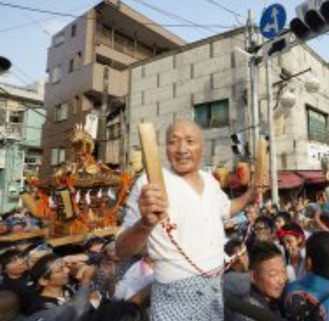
87	67
22	117
209	81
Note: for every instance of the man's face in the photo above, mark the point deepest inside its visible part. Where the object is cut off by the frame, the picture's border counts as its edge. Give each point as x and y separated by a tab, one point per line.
279	222
291	241
184	148
263	232
59	274
270	278
16	267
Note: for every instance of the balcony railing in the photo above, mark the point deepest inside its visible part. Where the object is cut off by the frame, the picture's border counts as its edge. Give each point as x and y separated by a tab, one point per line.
12	131
123	44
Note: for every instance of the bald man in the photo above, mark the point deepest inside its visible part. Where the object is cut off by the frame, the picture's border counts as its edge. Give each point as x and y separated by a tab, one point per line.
187	285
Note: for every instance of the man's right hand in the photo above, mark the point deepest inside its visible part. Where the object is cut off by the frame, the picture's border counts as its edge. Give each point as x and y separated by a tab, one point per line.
153	205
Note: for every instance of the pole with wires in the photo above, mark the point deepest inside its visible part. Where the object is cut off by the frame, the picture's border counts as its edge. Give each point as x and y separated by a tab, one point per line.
271	132
253	72
102	139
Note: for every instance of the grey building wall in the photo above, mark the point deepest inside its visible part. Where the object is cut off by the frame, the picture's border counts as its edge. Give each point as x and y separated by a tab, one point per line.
168	88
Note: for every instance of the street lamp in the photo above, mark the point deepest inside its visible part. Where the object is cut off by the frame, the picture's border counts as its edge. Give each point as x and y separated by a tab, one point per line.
288	99
5	65
312	85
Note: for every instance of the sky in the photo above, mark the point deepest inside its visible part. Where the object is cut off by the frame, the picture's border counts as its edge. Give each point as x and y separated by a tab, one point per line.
25	35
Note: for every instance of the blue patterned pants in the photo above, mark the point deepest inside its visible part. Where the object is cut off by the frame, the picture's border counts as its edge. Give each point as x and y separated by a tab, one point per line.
196	298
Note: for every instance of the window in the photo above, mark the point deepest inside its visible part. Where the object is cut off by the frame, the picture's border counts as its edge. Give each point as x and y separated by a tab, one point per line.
61	111
16	117
58	39
71	65
213	114
76	62
317	125
56	74
57	156
73	30
32	160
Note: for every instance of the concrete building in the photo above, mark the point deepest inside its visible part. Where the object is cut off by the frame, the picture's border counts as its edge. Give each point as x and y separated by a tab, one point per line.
208	81
21	119
109	36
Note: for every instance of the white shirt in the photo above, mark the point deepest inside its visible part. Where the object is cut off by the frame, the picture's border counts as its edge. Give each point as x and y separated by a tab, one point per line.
199	228
138	276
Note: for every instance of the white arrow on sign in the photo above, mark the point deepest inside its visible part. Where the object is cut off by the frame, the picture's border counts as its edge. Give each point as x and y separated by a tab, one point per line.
275	25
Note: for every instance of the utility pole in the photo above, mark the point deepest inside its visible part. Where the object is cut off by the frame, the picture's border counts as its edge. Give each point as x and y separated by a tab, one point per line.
102	137
253	69
273	164
5	65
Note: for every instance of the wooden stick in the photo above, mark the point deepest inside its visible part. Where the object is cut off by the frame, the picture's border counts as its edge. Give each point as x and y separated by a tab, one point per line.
151	155
261	164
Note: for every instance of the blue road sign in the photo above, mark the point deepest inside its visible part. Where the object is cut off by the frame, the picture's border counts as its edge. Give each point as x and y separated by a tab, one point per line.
273	21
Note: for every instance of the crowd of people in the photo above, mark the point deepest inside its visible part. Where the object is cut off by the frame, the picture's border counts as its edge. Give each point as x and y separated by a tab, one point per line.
277	267
81	282
284	263
191	255
19	220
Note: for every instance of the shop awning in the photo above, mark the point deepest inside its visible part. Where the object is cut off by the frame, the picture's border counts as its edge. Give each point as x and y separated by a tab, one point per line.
289	180
312	177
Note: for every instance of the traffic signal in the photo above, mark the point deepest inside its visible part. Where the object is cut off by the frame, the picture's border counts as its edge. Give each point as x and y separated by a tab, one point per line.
278	45
312	19
239	147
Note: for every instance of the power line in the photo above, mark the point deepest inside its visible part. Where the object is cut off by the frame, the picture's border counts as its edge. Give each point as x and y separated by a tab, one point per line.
172	15
170	25
54	13
39	21
234	13
24	74
24	25
23	81
38	24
